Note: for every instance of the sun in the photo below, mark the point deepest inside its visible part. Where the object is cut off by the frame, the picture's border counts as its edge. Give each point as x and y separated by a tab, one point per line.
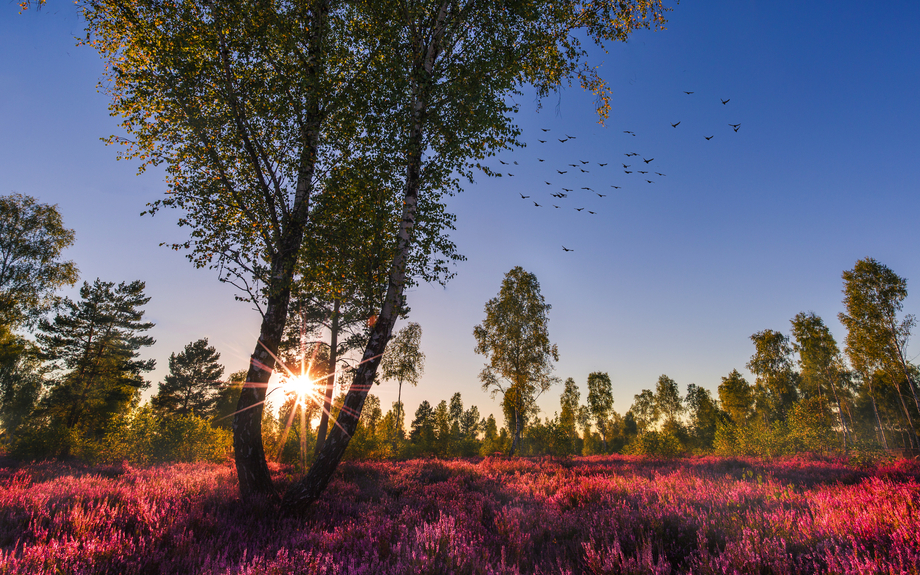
300	385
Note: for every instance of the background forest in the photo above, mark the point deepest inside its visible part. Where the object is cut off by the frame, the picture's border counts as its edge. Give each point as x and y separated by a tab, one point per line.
74	388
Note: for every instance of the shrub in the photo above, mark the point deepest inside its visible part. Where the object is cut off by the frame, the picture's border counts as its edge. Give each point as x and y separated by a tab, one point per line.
143	438
655	443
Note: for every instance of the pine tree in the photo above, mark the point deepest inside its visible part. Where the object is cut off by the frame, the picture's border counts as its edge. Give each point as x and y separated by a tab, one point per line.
193	383
93	345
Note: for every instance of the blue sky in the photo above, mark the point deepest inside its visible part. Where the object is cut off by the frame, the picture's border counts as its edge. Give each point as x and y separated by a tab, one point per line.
744	230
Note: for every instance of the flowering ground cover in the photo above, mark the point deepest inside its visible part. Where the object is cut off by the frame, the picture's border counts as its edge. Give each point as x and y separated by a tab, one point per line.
610	514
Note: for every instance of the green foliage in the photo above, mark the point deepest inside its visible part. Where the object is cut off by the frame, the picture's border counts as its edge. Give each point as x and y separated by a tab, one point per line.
32	237
193	381
737	397
808	427
93	346
656	443
21	380
227	399
141	437
776	387
668	403
704	417
515	338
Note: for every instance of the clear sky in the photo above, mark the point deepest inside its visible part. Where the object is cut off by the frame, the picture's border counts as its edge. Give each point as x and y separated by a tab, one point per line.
742	232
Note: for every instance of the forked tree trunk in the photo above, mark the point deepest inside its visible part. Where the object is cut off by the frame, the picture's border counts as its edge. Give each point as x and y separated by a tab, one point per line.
308	489
249	451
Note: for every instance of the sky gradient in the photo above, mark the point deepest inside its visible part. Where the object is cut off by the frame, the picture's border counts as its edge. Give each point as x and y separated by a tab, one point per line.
741	233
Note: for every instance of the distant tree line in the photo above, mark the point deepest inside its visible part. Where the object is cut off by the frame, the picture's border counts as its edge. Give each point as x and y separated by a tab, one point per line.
75	390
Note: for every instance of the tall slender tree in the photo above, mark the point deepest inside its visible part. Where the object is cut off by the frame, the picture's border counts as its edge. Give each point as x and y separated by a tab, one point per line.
777	382
821	364
515	338
568	403
876	337
600	402
404	361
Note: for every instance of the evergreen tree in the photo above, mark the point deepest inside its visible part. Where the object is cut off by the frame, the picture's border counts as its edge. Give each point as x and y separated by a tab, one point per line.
193	382
421	432
93	345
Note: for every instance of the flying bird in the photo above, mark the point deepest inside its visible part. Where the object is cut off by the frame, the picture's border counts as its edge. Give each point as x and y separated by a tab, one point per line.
590	212
539	159
568	136
545	129
724	101
736	129
589	189
659	173
584	162
709	137
675	125
583	170
562	171
574	165
602	165
628	132
567	249
503	162
643	172
523	197
510	175
563	141
541	141
632	154
601	195
735	126
685	92
626	172
615	187
578	209
538	205
650	181
547	183
515	163
648	160
567	189
555	206
625	166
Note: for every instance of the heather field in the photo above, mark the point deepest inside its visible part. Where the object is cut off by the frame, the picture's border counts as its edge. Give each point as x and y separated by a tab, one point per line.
610	514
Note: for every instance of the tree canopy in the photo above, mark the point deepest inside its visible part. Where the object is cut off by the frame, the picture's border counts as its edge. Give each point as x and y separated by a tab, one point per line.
515	337
32	237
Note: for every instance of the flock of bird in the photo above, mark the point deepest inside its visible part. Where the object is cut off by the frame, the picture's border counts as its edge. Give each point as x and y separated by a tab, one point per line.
632	164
